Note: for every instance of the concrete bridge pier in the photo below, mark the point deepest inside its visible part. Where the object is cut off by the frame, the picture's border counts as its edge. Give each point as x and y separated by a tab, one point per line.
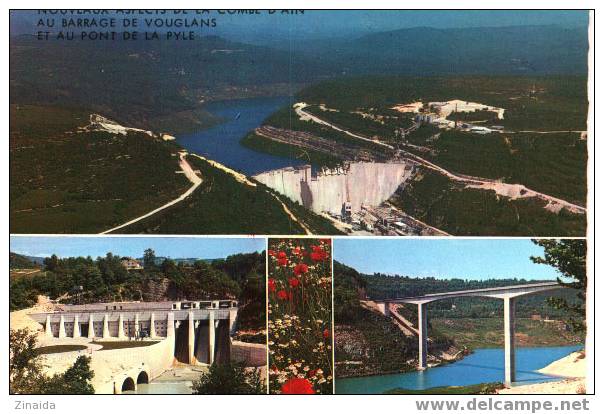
422	325
91	327
76	327
509	319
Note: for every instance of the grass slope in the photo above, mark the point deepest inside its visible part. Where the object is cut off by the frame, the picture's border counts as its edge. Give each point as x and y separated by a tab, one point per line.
221	205
67	182
474	389
475	333
433	199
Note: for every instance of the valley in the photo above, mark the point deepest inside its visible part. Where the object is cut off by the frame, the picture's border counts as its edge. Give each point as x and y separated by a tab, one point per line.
535	181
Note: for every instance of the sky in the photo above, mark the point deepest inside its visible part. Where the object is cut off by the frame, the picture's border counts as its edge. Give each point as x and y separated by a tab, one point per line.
444	259
332	23
174	247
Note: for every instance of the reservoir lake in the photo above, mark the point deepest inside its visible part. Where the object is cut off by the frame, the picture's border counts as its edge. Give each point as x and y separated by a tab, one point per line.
483	365
222	142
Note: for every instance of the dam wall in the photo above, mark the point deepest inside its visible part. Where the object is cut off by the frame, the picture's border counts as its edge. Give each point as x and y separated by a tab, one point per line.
249	354
359	183
112	367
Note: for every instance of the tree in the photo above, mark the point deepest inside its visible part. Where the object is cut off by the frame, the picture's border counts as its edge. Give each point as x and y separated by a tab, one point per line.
149	259
568	257
26	371
231	379
25	368
73	381
51	263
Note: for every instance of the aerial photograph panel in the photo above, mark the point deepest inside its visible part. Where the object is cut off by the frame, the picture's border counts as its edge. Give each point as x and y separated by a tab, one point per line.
384	123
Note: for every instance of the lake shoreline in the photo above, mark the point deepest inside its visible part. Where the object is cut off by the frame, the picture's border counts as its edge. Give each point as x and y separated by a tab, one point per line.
462	355
224	142
482	366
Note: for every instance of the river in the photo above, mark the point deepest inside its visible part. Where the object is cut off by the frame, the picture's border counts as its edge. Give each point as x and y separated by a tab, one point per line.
483	365
222	142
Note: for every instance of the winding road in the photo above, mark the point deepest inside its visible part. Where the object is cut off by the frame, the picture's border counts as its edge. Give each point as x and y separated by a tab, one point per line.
193	178
504	189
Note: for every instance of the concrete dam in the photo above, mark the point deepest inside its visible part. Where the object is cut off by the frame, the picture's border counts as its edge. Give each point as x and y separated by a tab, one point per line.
186	332
333	191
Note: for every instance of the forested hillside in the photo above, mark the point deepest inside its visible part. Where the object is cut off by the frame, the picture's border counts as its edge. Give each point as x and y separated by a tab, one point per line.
87	280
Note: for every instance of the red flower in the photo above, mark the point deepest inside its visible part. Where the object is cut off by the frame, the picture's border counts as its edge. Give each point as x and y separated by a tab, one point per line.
326	333
297	386
318	254
282	261
300	269
272	286
272	253
294	282
282	295
297	251
282	255
312	372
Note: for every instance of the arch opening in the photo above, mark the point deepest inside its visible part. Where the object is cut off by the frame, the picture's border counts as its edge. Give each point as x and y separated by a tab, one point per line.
128	385
142	378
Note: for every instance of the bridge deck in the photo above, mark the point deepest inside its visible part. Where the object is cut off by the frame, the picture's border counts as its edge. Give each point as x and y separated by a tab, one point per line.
497	292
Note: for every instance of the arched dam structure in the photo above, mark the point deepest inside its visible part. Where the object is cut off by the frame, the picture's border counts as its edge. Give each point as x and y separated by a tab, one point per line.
355	184
509	295
188	332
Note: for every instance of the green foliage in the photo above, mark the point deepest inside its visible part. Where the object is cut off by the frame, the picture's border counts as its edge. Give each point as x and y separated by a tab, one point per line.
66	181
555	164
25	369
229	379
17	261
138	83
300	314
372	341
568	257
74	381
365	126
347	290
559	105
149	259
475	389
317	224
381	286
106	279
221	205
26	375
433	199
487	332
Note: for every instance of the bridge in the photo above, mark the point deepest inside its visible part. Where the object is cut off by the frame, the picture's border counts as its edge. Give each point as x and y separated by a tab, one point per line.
508	294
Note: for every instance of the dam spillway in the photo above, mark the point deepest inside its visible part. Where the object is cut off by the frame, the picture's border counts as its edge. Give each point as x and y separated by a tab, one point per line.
356	184
201	329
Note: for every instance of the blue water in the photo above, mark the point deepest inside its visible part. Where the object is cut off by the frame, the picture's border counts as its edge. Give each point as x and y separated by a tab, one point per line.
221	143
484	365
